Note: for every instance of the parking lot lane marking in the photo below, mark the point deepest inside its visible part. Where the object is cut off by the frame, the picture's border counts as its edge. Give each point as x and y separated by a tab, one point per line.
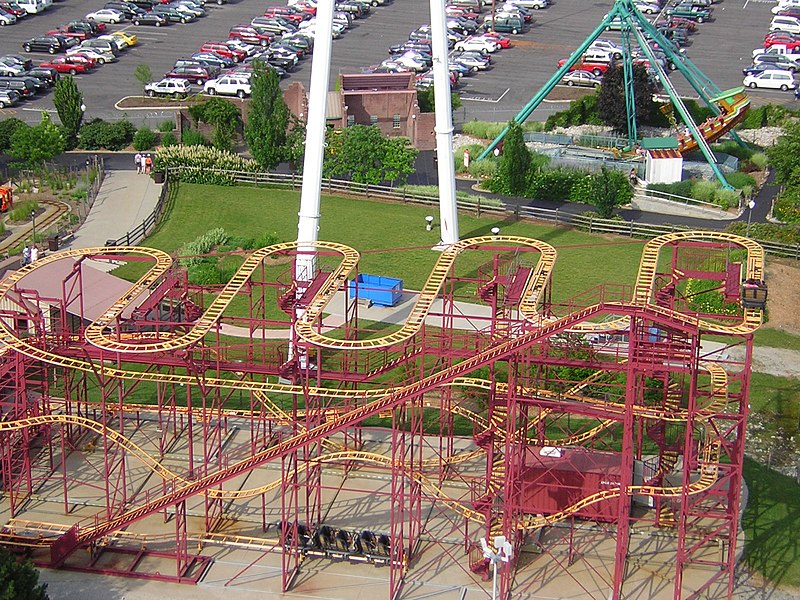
8	111
40	110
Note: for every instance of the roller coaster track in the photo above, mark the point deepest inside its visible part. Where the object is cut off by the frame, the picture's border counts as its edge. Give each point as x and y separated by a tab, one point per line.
380	400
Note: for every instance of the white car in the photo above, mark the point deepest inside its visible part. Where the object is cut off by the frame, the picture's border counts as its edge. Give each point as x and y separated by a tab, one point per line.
170	86
648	8
607	46
771	79
118	42
477	44
7	18
100	56
411	63
228	85
534	4
106	15
787	24
242	46
784	5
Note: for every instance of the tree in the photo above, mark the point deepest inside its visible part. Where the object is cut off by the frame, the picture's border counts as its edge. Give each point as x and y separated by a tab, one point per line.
784	156
68	101
515	161
268	118
366	156
611	98
143	74
34	145
7	129
224	115
19	580
427	103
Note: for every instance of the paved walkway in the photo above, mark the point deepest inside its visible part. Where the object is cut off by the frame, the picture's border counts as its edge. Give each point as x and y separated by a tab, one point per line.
125	200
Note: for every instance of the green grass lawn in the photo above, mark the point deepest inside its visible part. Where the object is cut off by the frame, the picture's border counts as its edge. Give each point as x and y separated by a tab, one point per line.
391	237
393	242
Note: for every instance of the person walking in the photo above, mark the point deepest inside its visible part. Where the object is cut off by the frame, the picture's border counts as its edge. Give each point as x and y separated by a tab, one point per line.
34	253
148	164
26	255
137	161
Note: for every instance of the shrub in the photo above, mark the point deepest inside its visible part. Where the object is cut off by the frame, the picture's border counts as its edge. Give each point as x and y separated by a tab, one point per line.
98	134
759	159
580	112
202	164
192	137
726	199
740	180
704	191
7	129
166	126
784	234
169	139
679	188
474	151
144	139
489	130
22	211
482	169
553	184
734	149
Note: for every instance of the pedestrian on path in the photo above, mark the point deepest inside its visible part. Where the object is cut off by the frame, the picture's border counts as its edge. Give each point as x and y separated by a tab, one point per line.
148	164
34	253
26	255
137	160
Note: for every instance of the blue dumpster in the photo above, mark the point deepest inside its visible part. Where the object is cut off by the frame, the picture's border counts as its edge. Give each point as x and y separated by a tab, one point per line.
384	291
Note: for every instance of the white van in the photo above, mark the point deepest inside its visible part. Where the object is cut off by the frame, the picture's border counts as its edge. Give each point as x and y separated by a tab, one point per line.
34	6
774	80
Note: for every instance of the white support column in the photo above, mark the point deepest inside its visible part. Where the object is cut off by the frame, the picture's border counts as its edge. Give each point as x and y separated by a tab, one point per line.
308	222
448	213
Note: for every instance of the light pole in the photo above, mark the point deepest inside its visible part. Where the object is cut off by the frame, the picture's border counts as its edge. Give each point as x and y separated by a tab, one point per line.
429	223
503	551
33	225
750	205
495	231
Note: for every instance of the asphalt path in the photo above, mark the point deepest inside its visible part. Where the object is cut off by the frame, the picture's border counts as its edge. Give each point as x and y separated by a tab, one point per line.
721	48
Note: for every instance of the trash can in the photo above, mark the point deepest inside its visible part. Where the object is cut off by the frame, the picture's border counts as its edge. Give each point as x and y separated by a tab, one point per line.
52	243
158	176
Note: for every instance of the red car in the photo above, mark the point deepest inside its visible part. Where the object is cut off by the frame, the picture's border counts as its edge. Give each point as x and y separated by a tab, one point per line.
66	64
306	8
14	8
781	39
250	35
69	31
596	68
500	39
224	51
288	13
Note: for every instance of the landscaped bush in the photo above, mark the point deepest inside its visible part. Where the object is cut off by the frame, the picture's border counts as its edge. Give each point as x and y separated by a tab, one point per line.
22	211
580	112
7	129
144	139
202	164
475	151
769	115
192	137
740	180
488	130
554	184
166	126
705	191
604	190
169	139
98	134
769	232
734	149
759	160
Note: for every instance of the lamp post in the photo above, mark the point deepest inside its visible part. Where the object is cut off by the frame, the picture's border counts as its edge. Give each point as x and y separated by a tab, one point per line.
750	205
503	552
495	231
429	223
33	225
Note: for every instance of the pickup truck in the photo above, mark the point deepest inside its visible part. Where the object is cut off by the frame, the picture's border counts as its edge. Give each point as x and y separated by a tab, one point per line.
694	13
791	52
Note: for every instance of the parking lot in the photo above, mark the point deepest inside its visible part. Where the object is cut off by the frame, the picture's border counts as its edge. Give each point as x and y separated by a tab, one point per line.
721	48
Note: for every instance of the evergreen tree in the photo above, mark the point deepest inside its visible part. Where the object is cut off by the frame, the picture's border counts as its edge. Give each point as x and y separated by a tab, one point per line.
268	118
19	580
515	161
611	106
68	101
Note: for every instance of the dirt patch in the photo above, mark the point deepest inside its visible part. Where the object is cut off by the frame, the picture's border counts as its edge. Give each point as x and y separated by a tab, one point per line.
564	93
782	277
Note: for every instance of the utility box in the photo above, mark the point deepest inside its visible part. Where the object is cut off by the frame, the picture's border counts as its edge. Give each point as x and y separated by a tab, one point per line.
663	162
383	291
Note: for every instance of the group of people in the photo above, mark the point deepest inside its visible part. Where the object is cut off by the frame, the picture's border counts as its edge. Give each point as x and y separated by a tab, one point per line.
30	253
143	163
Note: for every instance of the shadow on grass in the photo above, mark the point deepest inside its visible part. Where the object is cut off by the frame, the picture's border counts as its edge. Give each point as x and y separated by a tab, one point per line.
772	521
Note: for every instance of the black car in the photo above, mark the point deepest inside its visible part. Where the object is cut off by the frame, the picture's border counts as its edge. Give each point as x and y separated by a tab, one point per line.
49	76
150	19
170	14
37	84
22	87
145	4
213	68
126	8
48	43
90	28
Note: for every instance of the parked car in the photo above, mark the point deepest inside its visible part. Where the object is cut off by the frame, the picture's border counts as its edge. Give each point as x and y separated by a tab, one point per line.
215	59
154	19
7	18
777	61
8	66
92	28
694	13
172	15
15	9
189	8
45	74
596	68
101	45
106	15
505	23
287	12
213	68
251	35
647	7
128	9
23	88
222	49
771	79
228	85
478	44
582	79
607	46
49	43
787	24
170	86
9	98
194	74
